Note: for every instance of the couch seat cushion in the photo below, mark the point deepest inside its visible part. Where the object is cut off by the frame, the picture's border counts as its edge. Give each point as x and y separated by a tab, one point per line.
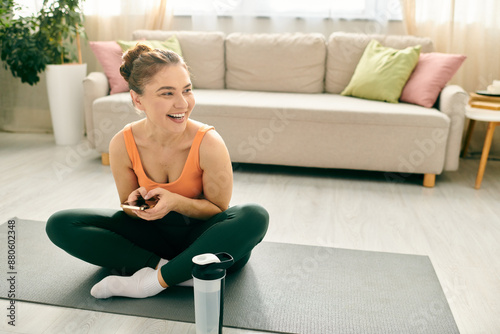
323	108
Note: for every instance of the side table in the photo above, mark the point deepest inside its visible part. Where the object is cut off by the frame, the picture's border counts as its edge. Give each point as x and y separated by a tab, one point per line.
493	119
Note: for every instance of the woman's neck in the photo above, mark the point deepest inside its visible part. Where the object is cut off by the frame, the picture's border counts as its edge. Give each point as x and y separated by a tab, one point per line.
162	137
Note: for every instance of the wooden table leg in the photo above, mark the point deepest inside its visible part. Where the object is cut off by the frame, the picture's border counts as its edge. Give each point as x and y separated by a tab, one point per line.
486	151
468	136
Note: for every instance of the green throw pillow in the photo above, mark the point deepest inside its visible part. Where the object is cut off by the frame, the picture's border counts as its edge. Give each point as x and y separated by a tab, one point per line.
382	72
171	44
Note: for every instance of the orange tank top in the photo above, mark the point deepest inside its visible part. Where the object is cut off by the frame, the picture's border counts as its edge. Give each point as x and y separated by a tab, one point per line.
189	184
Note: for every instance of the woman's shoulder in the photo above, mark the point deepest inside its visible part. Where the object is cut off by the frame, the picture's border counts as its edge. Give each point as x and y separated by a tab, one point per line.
209	133
119	141
213	151
197	126
212	145
119	137
117	147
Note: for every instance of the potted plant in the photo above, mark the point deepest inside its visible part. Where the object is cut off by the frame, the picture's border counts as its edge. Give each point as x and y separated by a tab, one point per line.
49	41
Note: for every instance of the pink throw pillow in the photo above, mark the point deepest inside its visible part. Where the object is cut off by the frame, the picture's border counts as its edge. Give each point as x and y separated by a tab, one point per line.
432	73
109	55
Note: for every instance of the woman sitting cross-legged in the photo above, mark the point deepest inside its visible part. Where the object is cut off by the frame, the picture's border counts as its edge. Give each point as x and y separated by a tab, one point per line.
181	163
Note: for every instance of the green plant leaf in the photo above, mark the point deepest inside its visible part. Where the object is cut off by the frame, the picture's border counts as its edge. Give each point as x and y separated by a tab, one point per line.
28	44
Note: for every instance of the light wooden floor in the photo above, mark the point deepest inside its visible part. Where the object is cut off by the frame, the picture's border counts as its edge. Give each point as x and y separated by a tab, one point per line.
457	226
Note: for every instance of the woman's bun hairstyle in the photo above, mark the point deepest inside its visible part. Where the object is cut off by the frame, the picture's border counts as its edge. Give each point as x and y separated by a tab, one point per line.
129	57
141	63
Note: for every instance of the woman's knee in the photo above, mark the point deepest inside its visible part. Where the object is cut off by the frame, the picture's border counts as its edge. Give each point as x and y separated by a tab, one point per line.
239	264
59	224
255	216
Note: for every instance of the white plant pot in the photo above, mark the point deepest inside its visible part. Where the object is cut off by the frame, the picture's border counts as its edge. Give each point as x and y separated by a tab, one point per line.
65	90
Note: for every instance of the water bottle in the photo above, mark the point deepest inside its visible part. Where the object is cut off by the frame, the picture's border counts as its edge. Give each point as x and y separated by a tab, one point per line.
209	272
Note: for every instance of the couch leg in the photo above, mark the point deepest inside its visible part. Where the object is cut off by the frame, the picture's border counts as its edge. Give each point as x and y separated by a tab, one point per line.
429	180
105	159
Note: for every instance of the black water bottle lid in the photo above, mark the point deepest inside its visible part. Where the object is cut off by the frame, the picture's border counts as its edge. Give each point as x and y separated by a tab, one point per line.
211	266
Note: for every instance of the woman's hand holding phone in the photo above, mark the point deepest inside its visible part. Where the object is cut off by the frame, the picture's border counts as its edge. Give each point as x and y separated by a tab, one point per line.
152	205
136	200
165	202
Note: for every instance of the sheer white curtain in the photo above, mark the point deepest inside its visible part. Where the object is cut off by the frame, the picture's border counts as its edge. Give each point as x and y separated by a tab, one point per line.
461	26
112	20
117	19
275	16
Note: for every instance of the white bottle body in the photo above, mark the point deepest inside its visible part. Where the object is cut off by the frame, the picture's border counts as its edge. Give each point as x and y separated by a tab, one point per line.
207	299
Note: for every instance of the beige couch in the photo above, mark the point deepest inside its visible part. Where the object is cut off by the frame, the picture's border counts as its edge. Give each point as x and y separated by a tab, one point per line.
275	99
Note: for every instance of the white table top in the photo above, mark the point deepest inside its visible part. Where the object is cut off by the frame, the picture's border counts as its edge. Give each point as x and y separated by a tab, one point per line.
484	115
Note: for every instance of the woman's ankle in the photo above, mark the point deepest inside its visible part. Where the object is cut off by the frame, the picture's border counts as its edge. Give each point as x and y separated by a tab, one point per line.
161	280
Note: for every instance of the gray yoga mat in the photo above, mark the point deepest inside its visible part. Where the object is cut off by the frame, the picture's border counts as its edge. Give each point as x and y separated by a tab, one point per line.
284	288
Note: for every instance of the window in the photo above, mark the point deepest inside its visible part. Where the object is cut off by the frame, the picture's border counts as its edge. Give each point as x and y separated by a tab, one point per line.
334	9
28	7
102	8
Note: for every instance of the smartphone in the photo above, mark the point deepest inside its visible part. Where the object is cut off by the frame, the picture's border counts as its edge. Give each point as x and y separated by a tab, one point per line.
141	204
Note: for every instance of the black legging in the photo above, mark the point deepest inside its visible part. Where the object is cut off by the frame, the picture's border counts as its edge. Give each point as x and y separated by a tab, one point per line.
112	239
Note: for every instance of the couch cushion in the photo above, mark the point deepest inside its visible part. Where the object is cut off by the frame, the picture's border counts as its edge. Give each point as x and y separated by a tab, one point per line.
345	51
109	55
432	73
288	62
202	51
323	108
382	72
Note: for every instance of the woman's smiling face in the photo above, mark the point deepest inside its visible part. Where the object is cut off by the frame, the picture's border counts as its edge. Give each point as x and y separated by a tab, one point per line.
168	98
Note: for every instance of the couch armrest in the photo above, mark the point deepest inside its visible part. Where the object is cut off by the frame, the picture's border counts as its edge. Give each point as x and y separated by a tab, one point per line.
452	102
95	85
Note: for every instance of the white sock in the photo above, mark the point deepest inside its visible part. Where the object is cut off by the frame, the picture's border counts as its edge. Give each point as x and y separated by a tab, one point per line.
188	283
144	283
161	263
